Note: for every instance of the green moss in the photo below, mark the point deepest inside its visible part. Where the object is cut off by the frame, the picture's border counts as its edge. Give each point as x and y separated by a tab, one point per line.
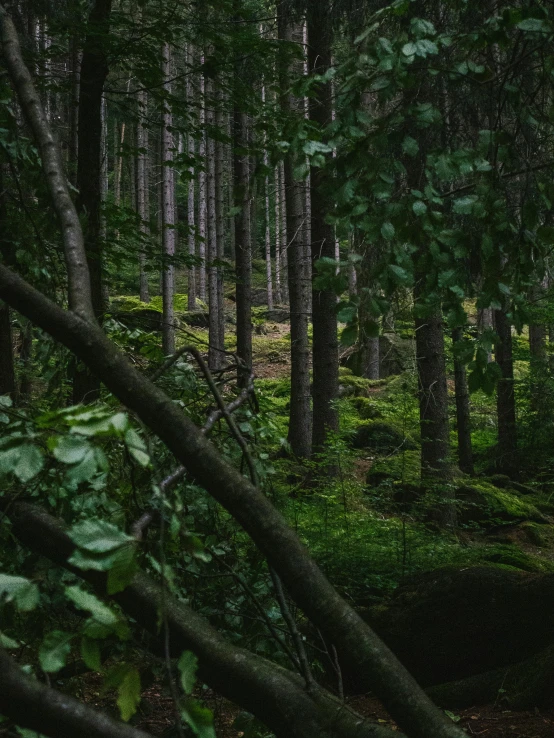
383	437
403	468
359	386
129	304
482	502
512	557
367	409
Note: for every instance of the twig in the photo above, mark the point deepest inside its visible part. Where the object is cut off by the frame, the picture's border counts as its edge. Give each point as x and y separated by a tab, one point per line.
291	624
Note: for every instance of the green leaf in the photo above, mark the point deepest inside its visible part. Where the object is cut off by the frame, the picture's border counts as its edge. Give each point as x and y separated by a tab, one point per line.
30	462
122	569
410	146
534	24
27	733
349	335
199	718
347	313
86	601
90	653
20	590
54	650
7	642
71	449
409	49
128	692
187	665
387	231
98	536
137	447
419	207
464	205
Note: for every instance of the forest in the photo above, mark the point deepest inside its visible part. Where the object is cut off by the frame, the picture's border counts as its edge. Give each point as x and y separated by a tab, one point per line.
276	368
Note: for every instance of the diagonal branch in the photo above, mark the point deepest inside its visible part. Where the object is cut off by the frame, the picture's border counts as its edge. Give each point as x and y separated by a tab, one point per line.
33	705
77	268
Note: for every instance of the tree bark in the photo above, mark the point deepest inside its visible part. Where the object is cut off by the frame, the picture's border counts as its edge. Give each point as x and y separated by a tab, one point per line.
168	212
507	460
142	188
277	185
220	150
299	433
433	406
324	319
7	369
463	414
94	71
243	245
202	187
214	350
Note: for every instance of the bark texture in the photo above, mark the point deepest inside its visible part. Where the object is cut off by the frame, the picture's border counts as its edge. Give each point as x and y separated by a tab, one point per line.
463	414
505	396
324	319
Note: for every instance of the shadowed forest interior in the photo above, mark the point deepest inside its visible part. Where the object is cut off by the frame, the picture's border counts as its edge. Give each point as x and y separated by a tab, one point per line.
276	369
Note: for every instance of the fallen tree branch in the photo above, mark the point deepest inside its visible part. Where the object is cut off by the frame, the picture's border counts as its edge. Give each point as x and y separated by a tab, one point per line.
35	706
275	695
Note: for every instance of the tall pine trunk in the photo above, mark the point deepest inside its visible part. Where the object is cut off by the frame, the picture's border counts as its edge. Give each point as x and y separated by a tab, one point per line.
142	189
463	414
214	353
202	190
324	319
505	397
7	369
292	197
168	213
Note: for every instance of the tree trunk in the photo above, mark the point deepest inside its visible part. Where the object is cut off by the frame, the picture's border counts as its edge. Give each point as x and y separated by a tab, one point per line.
283	230
463	415
299	434
94	70
220	148
507	460
433	407
324	319
243	247
214	353
143	204
168	213
278	294
202	188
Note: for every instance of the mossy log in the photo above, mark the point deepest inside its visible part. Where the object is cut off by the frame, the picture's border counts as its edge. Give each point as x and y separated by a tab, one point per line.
457	622
521	686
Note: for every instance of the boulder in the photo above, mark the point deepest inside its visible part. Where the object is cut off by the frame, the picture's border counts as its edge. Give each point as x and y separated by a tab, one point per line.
456	622
381	437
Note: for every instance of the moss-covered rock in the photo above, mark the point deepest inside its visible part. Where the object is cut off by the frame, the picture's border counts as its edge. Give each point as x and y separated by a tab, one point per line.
148	315
401	469
358	386
381	437
457	621
367	409
483	503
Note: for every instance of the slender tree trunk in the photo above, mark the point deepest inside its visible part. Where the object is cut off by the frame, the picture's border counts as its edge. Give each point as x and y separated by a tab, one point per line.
463	415
191	222
433	395
168	212
222	124
283	230
507	459
202	190
94	70
485	322
214	353
243	248
278	294
324	319
299	434
143	204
